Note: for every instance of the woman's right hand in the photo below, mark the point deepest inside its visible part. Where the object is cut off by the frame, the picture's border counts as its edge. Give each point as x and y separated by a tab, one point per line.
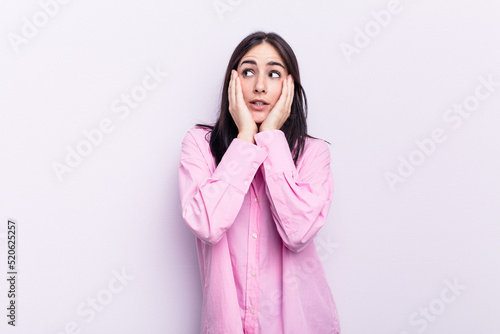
247	127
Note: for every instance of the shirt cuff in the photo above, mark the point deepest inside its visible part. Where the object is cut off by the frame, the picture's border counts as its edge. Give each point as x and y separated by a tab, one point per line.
279	158
240	163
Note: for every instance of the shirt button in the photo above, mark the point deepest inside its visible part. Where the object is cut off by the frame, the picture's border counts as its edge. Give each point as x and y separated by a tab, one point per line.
255	165
264	148
252	310
268	167
254	235
256	199
245	183
252	273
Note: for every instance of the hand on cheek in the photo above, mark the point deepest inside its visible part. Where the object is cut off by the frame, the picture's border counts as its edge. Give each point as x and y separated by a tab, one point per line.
279	114
239	111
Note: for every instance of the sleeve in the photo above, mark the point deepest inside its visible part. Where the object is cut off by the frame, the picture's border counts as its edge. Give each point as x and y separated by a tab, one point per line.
211	200
300	198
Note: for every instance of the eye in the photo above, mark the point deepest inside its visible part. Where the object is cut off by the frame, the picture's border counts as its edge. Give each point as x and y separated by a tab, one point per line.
275	74
247	73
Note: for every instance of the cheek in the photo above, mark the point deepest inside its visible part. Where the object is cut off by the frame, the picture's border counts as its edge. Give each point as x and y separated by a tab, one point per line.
275	91
246	88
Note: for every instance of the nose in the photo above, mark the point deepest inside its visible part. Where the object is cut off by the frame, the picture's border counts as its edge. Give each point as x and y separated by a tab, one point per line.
260	84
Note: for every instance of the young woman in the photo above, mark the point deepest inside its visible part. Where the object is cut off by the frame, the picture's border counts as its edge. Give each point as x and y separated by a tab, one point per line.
255	189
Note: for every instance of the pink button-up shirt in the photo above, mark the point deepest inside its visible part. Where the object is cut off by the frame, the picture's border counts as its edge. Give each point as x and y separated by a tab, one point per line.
255	216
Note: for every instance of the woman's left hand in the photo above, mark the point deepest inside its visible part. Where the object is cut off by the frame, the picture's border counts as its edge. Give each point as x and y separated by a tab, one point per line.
279	114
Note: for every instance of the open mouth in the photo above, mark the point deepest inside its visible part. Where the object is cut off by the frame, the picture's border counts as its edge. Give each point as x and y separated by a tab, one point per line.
259	103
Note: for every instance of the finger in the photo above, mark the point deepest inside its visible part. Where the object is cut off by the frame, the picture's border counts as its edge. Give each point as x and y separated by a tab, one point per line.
285	87
239	91
287	103
291	92
231	91
283	97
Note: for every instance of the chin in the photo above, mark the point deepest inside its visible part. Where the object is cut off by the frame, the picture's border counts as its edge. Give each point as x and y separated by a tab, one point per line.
259	118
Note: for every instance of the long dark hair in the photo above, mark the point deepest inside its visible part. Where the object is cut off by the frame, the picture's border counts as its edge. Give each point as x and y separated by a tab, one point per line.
294	128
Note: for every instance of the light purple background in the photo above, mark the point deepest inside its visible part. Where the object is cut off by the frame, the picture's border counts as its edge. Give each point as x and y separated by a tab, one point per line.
390	252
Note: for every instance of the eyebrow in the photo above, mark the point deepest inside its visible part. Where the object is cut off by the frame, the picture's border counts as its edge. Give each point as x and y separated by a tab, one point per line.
271	63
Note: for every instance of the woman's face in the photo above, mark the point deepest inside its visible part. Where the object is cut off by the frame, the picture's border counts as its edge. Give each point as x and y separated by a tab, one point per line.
261	72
